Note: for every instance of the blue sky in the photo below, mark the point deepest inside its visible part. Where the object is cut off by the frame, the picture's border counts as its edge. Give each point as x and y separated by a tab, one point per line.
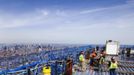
67	21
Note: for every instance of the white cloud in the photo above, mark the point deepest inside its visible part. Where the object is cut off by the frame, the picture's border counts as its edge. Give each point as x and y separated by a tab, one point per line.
77	27
44	12
130	2
92	10
17	20
122	7
60	17
38	17
61	13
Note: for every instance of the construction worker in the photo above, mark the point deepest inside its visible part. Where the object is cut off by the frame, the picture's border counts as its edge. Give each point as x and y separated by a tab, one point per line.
123	53
128	52
112	66
92	60
87	57
101	63
47	70
103	52
82	61
69	69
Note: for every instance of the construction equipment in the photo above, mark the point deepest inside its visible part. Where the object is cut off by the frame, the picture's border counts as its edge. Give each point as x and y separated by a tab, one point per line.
112	47
47	70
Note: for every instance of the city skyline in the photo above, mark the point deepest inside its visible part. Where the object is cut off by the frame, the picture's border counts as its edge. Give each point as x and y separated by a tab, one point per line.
67	21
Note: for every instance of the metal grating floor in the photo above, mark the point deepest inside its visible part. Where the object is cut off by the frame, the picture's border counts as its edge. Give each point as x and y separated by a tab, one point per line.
88	73
124	68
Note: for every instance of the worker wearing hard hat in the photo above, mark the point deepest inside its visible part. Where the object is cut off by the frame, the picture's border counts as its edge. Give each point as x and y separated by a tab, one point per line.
112	66
92	60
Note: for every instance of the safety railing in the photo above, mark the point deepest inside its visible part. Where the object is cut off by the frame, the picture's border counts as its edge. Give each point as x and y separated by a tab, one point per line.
44	57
